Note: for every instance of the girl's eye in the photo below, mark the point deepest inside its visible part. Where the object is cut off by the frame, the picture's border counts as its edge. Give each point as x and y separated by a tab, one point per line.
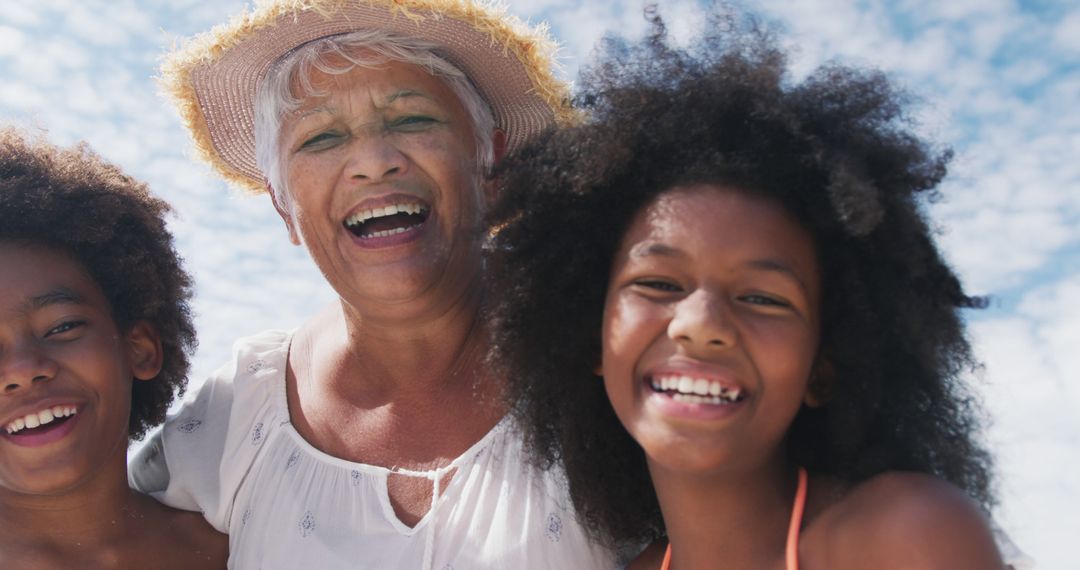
764	300
321	140
658	285
64	327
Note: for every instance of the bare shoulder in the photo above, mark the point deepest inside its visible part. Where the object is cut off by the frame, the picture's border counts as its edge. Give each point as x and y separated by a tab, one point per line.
151	535
902	520
196	542
30	555
170	538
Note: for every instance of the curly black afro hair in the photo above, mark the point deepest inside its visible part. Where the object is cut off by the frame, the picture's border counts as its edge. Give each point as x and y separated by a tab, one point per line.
72	201
836	150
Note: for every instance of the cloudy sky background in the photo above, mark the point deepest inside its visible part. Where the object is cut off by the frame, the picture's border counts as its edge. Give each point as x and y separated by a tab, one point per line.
999	80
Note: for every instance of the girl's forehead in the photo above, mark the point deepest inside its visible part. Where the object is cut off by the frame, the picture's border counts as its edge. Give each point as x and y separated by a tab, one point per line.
705	204
715	223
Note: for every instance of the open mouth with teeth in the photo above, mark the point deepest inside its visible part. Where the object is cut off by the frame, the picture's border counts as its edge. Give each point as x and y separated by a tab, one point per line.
41	421
387	220
691	390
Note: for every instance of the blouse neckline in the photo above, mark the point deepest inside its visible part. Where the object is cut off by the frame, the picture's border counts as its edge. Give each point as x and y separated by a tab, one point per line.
282	404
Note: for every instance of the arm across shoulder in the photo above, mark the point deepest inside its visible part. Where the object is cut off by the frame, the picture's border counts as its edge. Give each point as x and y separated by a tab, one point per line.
197	460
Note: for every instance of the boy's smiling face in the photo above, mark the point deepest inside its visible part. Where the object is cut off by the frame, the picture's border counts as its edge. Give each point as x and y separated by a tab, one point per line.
65	366
711	328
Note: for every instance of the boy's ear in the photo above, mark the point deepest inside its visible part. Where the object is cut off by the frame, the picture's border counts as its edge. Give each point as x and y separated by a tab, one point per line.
822	380
285	215
145	350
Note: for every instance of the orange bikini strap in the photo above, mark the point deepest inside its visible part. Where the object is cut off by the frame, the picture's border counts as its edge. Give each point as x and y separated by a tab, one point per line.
791	550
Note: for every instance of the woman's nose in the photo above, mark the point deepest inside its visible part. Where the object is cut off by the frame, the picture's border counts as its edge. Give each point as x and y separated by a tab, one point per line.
373	158
703	320
23	364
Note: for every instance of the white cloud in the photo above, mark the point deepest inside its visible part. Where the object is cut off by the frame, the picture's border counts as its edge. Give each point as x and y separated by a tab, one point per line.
18	14
187	17
82	97
581	27
1031	358
1057	308
1067	32
1008	209
989	34
531	10
12	40
1025	73
94	25
65	52
928	11
581	24
16	96
925	54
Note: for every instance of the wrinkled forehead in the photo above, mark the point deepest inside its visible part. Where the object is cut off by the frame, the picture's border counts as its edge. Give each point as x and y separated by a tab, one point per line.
320	67
385	81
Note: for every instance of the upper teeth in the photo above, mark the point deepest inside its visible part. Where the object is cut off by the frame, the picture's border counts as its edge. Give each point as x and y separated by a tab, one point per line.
40	418
365	215
696	386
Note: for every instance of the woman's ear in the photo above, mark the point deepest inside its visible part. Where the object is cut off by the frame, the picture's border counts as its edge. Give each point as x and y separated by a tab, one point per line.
145	350
498	146
822	380
285	214
498	152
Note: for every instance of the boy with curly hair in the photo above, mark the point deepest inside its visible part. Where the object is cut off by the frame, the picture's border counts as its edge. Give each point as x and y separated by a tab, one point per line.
95	333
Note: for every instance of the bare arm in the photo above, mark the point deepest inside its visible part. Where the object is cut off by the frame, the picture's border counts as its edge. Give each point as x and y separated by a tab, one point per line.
911	521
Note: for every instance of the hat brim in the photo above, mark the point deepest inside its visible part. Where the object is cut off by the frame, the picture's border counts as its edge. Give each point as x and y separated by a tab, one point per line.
214	77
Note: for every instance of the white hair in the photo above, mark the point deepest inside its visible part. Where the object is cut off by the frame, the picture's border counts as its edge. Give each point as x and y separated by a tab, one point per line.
274	98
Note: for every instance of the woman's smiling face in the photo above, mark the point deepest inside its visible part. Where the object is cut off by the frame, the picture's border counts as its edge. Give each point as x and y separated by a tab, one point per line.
65	373
711	328
384	184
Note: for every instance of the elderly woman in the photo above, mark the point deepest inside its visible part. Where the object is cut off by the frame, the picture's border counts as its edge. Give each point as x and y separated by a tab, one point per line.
372	436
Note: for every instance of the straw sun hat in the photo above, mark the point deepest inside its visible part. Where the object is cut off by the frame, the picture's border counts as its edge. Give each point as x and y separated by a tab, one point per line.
212	78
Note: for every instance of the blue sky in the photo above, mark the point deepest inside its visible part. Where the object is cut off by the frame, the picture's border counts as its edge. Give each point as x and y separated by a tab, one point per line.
998	80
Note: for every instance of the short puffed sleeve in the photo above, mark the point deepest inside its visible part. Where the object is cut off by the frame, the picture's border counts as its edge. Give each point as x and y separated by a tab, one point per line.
199	458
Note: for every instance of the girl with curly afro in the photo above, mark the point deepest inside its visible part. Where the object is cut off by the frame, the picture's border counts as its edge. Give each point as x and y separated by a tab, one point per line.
95	333
746	262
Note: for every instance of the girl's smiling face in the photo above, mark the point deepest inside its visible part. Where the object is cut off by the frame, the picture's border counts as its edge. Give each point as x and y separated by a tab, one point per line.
65	373
710	329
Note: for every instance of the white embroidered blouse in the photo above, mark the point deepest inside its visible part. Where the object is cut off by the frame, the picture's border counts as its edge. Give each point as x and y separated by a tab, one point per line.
232	453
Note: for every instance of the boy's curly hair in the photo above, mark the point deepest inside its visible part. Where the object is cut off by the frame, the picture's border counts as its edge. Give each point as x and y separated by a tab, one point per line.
73	201
838	152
